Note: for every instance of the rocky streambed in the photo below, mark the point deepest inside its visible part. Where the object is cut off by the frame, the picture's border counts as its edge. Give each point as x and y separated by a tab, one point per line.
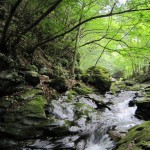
81	122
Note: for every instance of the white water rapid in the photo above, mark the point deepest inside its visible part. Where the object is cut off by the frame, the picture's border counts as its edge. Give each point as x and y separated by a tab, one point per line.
121	116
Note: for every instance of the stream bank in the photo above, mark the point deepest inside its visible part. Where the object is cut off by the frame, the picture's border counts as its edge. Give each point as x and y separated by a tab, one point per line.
81	123
41	108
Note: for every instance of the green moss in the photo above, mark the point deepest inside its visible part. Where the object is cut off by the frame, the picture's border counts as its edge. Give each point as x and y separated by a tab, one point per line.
35	107
139	135
116	87
135	87
83	109
98	70
144	144
30	94
19	131
71	94
98	77
83	90
145	100
59	84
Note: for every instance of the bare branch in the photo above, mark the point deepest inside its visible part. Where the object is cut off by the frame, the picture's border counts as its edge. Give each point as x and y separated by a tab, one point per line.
106	46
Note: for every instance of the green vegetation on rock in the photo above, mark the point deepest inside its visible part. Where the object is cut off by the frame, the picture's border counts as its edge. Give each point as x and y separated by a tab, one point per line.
82	89
59	84
29	94
35	107
137	138
98	77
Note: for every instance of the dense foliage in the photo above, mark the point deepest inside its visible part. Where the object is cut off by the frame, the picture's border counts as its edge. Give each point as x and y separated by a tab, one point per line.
110	33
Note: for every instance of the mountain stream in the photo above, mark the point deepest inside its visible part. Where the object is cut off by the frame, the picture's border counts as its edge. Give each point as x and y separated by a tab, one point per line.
91	127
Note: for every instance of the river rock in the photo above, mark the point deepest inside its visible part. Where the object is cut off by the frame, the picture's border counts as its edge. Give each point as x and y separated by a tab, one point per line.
143	106
82	89
98	77
131	103
25	121
31	77
143	109
9	81
47	71
114	135
29	94
59	84
138	138
130	82
117	87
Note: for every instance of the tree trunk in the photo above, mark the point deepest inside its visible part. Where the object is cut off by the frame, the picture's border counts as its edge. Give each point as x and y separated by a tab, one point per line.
6	27
75	51
77	43
35	23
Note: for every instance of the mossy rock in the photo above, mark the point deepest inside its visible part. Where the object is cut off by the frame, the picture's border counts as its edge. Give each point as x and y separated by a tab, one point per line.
27	121
9	82
98	77
83	109
47	71
31	77
29	94
7	102
117	86
135	87
71	94
130	82
114	88
85	77
143	78
59	84
59	71
138	138
82	89
18	131
58	128
143	108
28	68
34	108
78	73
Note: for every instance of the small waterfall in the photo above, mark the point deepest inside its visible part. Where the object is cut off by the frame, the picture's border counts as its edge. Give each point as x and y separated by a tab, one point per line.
88	132
121	116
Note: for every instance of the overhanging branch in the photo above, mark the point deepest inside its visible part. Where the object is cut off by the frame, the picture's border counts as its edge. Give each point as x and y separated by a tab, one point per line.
88	20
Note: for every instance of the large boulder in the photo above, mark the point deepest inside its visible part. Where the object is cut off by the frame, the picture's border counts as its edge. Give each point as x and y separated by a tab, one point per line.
9	81
82	89
98	77
59	84
31	77
143	106
25	121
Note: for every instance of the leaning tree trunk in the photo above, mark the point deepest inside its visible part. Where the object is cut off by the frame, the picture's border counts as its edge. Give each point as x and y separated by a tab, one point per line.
3	48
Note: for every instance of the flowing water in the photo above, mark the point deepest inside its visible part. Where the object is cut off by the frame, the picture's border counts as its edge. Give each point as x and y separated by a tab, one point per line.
89	131
121	116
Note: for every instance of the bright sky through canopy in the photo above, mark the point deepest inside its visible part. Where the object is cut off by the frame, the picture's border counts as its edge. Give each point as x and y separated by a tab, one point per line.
122	1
